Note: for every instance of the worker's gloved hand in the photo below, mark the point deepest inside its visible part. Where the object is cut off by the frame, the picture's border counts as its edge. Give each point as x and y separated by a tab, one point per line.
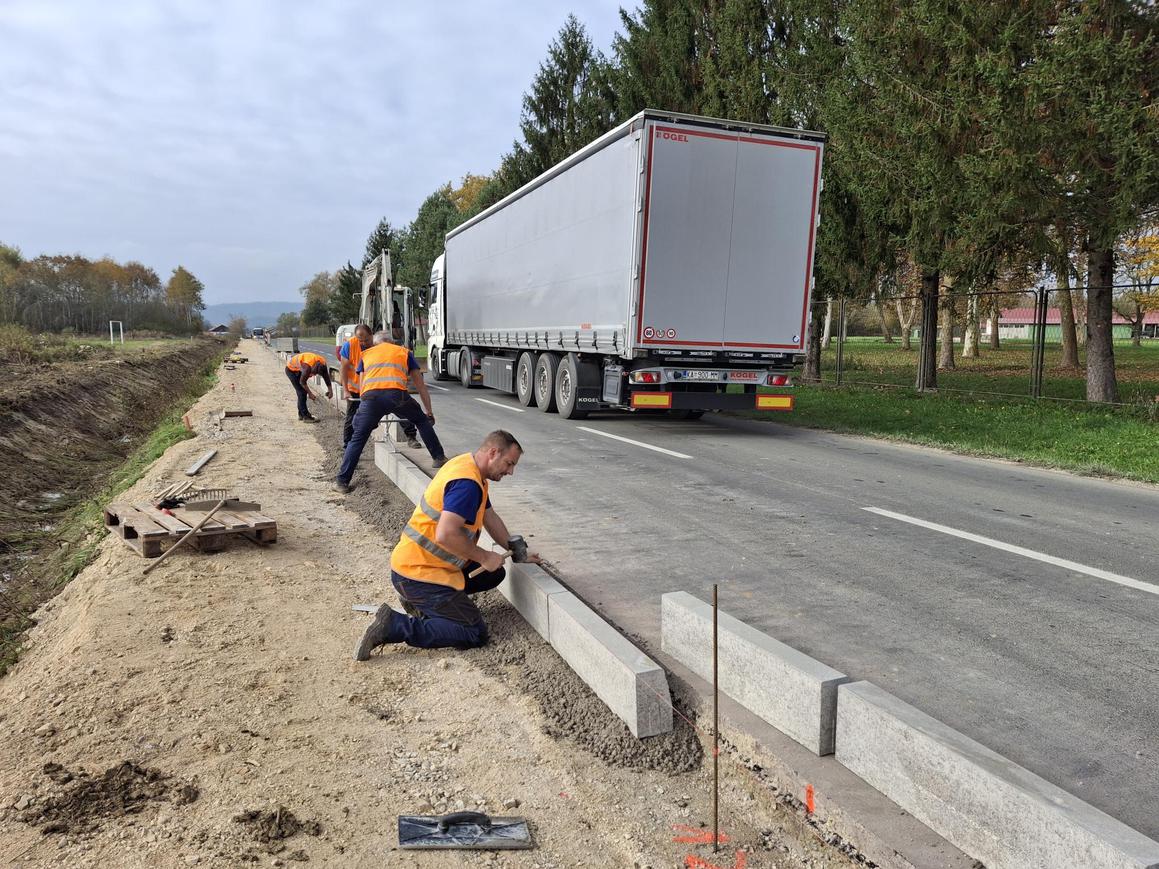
518	547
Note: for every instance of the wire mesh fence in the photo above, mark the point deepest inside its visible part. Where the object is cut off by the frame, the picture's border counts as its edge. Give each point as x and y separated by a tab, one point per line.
1031	344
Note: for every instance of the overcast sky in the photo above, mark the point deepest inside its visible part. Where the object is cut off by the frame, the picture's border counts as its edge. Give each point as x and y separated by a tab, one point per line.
255	142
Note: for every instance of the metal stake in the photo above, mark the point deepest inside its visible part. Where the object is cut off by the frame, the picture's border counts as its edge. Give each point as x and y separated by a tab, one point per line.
715	736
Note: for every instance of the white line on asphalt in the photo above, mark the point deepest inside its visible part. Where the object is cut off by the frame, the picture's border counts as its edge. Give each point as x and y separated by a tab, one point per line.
1018	550
441	388
504	406
636	443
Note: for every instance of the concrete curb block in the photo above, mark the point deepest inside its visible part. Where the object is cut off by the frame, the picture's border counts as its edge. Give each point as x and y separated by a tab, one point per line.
992	809
788	689
632	685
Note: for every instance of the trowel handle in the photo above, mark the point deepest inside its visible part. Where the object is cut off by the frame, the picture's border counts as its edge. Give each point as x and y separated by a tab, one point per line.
479	570
479	818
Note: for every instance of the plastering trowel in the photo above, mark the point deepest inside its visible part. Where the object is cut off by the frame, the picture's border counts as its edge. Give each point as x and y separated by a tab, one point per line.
472	830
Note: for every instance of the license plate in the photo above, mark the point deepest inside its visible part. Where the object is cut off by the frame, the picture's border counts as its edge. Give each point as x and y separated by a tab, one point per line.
697	374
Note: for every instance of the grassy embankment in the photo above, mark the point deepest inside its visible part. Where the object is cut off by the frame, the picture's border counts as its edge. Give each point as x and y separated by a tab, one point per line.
981	408
77	533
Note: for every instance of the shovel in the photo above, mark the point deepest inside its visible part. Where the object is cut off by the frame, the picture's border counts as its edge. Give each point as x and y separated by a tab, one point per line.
467	830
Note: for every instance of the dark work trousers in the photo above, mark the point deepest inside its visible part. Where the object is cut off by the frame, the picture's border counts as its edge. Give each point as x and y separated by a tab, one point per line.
296	379
374	405
449	616
408	427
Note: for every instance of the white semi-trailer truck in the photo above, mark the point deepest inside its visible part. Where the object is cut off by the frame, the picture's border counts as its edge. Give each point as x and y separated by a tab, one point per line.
666	266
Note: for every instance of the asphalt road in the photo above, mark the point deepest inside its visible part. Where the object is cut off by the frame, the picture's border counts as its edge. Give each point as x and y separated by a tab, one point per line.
817	539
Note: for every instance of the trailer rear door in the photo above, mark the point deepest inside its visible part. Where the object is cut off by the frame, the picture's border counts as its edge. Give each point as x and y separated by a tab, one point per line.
727	247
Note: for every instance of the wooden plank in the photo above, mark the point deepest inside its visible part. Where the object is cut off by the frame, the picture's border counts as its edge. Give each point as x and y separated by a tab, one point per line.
171	524
229	413
230	521
200	463
192	517
128	516
250	519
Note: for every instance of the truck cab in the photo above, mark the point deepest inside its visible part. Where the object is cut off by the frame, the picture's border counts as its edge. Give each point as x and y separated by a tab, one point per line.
436	322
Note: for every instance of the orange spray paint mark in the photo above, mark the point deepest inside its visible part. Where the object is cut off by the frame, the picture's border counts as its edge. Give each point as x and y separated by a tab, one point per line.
694	862
809	805
686	835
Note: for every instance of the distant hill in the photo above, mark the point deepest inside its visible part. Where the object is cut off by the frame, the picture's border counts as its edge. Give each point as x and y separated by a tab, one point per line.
255	313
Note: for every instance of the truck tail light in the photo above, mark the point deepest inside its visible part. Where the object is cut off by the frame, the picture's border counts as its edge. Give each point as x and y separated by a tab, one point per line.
780	380
644	377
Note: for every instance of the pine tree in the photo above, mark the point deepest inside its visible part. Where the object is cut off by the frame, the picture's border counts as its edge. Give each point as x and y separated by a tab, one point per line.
656	58
570	102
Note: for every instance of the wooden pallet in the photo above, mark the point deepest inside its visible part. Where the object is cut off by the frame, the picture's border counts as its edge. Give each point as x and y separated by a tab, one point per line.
150	531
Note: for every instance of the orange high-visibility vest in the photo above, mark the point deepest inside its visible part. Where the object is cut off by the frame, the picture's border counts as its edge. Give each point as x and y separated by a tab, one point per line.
296	362
352	380
418	555
384	367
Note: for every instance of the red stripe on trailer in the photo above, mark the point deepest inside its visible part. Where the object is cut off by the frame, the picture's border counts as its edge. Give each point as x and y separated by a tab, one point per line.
644	242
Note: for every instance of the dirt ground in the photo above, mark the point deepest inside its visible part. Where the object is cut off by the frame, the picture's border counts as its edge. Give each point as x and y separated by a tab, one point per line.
210	713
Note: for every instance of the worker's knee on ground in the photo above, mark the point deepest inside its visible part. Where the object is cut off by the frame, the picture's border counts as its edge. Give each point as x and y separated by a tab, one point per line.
474	636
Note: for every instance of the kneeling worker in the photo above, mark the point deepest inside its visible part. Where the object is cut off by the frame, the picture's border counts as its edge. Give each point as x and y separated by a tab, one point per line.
300	369
384	370
438	549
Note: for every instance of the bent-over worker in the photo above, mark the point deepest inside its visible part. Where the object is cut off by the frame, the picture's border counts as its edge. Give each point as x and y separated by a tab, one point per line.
385	369
349	357
438	549
300	369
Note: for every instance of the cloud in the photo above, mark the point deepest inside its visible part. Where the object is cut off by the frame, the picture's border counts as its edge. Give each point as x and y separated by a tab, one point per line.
255	142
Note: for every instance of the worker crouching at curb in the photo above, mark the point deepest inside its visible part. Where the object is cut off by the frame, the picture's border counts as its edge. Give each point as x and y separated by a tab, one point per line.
300	369
384	371
438	549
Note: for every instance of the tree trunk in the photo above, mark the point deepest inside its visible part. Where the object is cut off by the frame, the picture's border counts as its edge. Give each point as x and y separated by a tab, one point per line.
886	337
927	377
995	316
946	357
1070	347
970	336
827	332
1137	326
906	308
1079	304
812	372
1101	382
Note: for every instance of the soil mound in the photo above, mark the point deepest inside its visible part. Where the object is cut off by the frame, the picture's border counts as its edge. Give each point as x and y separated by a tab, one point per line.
125	789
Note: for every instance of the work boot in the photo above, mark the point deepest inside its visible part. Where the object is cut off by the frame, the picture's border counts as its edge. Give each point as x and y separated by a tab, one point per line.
440	461
380	632
413	442
343	488
307	418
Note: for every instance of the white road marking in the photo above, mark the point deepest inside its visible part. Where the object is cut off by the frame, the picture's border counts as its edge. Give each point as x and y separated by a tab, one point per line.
636	443
440	388
504	406
1018	550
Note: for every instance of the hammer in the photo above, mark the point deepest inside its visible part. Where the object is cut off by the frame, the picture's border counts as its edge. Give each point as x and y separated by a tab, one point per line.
516	546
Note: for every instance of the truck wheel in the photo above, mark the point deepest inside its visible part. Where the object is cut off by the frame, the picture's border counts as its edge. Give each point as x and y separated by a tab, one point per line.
545	369
465	367
435	364
525	380
567	388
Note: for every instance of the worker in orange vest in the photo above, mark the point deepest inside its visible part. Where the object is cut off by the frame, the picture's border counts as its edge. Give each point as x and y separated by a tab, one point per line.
349	358
431	565
384	372
300	369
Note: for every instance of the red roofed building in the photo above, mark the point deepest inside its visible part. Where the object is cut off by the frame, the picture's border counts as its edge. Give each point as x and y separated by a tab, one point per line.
1019	323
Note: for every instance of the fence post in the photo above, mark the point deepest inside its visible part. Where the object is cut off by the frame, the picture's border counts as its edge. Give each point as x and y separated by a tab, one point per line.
840	338
1038	351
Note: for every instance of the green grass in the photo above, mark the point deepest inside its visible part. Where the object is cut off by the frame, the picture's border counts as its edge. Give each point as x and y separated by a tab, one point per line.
17	344
1084	438
81	529
869	362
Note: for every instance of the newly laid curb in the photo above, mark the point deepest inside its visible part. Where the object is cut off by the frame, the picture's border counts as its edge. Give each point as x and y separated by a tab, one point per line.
632	685
991	808
788	689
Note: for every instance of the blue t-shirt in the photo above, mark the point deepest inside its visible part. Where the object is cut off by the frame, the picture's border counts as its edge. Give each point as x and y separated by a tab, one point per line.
411	365
462	498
